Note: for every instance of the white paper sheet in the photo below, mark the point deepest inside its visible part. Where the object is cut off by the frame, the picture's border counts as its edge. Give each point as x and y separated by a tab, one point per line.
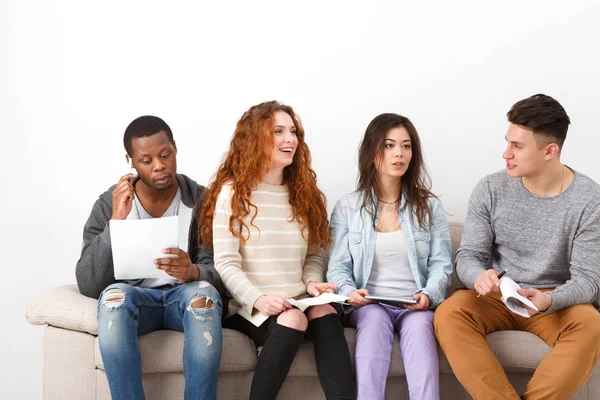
257	319
324	298
137	243
513	300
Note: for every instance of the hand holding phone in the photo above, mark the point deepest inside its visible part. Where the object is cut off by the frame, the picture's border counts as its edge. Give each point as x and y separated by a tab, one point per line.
123	194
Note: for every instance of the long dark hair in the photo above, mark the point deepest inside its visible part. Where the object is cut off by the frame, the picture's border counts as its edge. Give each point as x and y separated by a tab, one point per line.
416	182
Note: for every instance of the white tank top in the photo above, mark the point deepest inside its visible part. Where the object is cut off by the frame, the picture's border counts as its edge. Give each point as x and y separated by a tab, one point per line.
391	274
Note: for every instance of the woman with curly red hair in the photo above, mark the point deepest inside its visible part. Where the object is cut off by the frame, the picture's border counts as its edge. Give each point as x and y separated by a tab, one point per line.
267	221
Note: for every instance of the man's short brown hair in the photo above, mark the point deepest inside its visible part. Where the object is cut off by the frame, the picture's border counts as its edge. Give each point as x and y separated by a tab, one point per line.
544	116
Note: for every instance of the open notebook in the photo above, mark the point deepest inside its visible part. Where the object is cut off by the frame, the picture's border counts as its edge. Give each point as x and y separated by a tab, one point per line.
325	298
513	300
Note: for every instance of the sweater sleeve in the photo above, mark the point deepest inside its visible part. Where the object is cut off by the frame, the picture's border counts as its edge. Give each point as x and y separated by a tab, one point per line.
203	256
228	260
584	285
313	268
475	251
95	270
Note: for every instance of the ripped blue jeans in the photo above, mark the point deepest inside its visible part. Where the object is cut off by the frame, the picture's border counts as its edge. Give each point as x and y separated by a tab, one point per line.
126	311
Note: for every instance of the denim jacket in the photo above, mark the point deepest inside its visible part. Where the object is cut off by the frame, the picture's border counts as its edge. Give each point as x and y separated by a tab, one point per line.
351	253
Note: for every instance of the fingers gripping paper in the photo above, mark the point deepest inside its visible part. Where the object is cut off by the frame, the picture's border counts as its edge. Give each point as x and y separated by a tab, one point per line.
137	243
513	300
325	298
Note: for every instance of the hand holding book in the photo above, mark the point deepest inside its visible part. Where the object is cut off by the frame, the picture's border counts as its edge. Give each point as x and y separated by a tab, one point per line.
513	300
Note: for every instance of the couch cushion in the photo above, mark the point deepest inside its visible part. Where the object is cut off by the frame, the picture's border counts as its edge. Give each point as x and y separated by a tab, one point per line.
162	351
517	352
64	307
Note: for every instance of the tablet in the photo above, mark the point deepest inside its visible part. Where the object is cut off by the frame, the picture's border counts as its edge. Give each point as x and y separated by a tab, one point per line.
392	301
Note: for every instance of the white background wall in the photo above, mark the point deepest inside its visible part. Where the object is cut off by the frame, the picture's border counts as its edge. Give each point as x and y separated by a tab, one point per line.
74	74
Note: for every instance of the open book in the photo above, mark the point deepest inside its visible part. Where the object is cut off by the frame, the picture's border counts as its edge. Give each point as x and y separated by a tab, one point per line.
325	298
513	300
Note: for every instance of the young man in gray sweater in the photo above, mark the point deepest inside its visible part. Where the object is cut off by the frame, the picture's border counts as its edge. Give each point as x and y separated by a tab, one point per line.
186	299
540	220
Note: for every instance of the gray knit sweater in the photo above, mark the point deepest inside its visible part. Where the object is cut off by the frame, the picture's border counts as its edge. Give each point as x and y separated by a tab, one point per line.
546	242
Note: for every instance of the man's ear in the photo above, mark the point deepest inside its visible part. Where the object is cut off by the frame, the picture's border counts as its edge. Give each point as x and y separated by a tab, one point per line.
175	146
551	150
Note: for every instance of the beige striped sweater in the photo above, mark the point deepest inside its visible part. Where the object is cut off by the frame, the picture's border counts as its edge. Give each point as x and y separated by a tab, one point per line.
274	259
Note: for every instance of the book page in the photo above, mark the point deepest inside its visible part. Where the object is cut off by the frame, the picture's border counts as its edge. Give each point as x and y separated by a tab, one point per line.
325	298
513	300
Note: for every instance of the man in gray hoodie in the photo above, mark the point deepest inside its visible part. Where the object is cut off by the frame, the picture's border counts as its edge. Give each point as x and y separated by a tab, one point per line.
539	220
186	299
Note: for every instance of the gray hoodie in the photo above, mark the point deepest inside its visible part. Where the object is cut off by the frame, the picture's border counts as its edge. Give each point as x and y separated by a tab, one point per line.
94	271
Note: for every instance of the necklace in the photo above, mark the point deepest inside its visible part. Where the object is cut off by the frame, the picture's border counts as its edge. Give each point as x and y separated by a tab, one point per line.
389	206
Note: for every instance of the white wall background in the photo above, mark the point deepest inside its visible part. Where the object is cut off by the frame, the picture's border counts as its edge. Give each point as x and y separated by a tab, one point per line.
74	74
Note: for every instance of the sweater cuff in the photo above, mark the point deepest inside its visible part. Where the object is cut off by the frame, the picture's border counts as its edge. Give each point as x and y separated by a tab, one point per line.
252	297
316	278
202	274
558	302
469	276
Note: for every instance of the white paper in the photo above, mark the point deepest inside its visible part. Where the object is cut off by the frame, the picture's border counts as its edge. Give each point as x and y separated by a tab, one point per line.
137	243
324	298
257	319
513	300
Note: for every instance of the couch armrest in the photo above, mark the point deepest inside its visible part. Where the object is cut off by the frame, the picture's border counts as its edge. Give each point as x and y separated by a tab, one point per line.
64	307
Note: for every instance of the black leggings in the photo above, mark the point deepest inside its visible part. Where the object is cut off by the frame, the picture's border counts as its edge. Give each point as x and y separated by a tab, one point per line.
280	345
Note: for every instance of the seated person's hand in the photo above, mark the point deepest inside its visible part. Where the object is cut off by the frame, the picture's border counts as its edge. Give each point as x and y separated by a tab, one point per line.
356	298
272	304
487	282
315	289
542	300
180	268
122	197
422	303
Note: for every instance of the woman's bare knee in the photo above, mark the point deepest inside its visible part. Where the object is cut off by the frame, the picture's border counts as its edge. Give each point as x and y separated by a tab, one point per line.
293	318
320	311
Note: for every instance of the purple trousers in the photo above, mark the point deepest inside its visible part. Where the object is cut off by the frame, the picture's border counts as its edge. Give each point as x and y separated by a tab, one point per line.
375	326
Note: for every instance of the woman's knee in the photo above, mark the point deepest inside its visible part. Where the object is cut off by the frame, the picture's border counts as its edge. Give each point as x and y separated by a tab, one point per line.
320	311
419	320
293	318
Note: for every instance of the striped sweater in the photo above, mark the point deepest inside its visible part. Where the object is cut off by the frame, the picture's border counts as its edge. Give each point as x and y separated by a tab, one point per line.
274	260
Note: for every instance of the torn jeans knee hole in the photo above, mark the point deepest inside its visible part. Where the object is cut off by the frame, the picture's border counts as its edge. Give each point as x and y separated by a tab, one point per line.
201	302
114	298
200	306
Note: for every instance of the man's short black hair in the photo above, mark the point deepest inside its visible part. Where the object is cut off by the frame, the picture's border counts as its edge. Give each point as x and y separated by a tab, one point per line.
544	116
143	126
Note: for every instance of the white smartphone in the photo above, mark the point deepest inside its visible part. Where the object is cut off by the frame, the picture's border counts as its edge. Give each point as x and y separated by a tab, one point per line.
131	169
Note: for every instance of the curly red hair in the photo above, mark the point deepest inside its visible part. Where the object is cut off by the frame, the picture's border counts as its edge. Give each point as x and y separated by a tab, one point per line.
248	161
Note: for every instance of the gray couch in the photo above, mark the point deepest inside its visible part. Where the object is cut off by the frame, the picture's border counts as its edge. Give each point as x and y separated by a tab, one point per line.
73	367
